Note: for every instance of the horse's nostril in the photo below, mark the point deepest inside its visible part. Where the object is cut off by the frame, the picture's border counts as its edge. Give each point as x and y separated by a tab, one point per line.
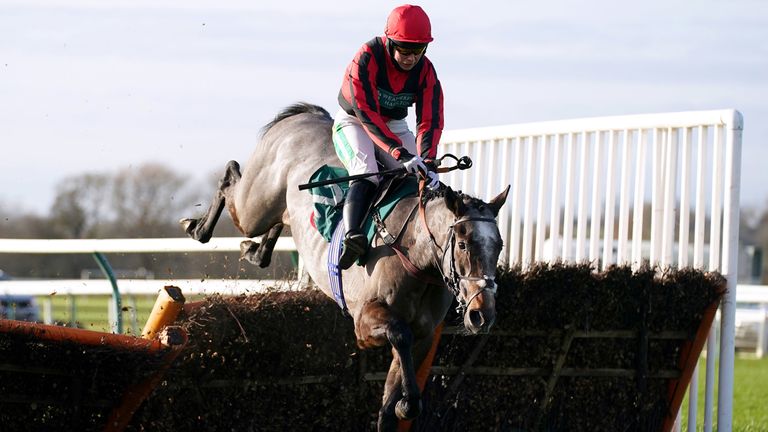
476	318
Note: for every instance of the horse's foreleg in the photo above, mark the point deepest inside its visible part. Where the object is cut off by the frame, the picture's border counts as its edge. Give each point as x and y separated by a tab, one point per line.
401	338
375	326
392	395
202	229
260	254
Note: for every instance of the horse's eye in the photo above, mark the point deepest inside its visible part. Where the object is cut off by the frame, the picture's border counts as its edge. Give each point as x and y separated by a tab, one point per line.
462	245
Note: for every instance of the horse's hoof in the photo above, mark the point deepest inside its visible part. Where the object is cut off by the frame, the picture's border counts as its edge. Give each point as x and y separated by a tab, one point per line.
408	409
188	225
191	228
248	249
184	222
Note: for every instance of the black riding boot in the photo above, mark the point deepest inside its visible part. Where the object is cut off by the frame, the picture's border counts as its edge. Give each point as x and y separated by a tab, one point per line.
355	206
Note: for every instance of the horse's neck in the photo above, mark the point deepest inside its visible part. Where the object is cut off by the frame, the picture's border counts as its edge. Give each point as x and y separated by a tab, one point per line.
423	252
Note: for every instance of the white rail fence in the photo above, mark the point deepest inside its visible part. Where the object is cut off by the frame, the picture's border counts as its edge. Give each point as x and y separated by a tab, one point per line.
130	288
133	286
580	188
579	193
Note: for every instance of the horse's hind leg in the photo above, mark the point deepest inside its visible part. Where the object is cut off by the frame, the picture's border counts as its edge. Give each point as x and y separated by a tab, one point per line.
202	229
260	254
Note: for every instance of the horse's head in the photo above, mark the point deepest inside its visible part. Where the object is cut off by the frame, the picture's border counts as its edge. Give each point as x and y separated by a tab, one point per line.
471	254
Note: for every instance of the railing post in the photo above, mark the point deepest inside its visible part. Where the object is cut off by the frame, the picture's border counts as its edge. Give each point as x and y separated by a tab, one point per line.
762	343
107	270
134	315
47	310
730	256
72	310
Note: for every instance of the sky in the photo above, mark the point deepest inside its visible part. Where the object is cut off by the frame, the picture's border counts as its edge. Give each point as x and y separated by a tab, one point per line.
94	86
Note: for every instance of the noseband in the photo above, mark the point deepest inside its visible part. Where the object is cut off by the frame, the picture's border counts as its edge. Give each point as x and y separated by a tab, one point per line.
453	278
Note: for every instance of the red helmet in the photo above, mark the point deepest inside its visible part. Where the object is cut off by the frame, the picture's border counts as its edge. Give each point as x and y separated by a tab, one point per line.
409	23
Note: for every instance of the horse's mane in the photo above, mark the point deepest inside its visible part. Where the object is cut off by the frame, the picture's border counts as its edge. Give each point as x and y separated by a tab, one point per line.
295	109
428	195
469	200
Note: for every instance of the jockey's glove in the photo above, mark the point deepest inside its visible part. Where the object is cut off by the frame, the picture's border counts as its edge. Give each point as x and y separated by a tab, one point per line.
433	182
413	164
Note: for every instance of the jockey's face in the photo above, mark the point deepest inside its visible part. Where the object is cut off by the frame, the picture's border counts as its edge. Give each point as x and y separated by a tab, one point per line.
407	59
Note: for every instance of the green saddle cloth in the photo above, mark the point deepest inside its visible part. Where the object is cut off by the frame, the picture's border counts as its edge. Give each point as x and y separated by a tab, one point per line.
329	202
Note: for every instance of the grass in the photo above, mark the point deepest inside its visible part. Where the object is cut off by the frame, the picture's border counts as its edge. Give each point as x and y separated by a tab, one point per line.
750	396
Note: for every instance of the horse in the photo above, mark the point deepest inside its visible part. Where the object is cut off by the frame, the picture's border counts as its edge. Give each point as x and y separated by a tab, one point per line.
452	251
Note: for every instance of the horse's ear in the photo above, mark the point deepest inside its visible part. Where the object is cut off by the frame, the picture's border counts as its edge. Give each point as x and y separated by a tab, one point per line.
454	202
498	201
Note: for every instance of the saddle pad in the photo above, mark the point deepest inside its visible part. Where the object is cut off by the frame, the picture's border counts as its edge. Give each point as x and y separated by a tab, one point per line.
329	202
387	204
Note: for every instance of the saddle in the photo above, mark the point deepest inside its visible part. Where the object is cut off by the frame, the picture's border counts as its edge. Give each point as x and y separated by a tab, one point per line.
329	200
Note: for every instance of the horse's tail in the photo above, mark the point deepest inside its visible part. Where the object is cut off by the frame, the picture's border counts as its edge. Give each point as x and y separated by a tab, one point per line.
297	108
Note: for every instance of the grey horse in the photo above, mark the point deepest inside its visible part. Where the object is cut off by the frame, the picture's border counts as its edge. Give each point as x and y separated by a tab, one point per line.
449	241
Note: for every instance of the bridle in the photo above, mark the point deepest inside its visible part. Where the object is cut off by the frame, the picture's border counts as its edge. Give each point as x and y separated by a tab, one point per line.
454	277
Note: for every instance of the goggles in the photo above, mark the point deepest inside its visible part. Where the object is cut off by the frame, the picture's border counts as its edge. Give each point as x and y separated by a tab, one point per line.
417	50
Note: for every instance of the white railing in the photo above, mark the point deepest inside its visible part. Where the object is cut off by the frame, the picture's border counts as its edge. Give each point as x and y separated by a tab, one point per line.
579	190
133	286
149	245
46	289
580	187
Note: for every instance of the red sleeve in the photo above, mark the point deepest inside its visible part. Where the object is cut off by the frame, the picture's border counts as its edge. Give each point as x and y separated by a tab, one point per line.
429	114
364	98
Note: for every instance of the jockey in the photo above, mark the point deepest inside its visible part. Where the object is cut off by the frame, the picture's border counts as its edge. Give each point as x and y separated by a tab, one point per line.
388	74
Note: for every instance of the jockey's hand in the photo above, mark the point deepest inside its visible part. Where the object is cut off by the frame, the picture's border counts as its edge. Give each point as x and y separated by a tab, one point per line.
414	164
433	182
